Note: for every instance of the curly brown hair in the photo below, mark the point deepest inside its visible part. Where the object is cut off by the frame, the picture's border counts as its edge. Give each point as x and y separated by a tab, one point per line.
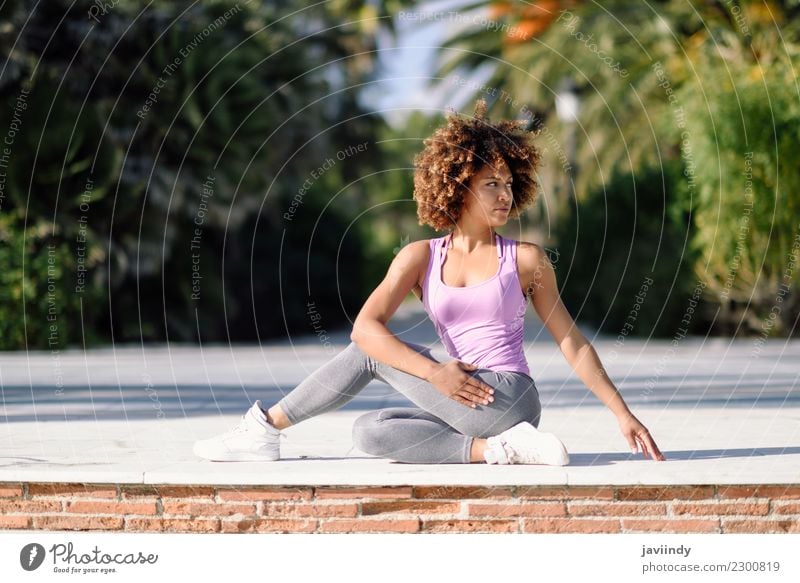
458	150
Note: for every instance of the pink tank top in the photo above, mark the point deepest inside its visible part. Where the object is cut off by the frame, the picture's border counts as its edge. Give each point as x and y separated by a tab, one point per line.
481	323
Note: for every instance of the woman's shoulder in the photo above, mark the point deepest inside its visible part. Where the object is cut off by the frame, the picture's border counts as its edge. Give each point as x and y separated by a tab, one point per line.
530	255
524	246
415	257
418	247
415	253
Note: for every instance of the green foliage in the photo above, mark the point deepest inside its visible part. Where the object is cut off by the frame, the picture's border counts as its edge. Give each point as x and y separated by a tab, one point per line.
391	221
43	304
742	185
622	260
728	67
131	114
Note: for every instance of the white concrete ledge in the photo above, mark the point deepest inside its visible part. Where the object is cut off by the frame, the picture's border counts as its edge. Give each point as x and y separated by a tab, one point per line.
702	447
723	411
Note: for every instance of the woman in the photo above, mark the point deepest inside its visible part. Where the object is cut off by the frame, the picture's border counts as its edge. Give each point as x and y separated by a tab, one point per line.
477	402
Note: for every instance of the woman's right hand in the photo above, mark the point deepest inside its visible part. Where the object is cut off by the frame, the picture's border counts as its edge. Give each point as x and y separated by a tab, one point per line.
452	379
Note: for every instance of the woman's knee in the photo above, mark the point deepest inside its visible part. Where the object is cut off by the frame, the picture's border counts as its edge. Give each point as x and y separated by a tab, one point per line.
369	435
500	419
353	349
512	405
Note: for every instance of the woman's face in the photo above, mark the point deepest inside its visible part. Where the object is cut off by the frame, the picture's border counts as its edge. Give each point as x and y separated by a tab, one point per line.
488	197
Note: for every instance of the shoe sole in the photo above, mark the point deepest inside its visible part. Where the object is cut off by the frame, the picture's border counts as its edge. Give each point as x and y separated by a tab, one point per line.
555	452
237	457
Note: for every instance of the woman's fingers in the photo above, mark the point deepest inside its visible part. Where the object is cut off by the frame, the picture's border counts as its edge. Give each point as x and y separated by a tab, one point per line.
467	401
643	445
479	395
649	447
468	398
632	443
484	390
655	453
472	397
476	394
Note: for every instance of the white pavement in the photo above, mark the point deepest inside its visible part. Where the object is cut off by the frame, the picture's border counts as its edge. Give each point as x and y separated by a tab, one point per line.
723	411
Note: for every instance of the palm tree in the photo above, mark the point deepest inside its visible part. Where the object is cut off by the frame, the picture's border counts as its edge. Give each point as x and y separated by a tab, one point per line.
652	80
609	51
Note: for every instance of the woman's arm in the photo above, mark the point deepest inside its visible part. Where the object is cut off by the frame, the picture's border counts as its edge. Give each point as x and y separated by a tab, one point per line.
535	269
375	339
369	328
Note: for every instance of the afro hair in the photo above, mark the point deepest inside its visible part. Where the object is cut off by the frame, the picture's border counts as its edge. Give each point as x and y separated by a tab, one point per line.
458	150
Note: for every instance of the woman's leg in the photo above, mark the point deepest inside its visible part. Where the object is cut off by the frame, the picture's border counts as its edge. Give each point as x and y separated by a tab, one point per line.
411	435
442	430
335	383
327	388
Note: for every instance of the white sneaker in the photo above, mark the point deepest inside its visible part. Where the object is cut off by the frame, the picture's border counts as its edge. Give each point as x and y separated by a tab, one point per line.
524	444
253	440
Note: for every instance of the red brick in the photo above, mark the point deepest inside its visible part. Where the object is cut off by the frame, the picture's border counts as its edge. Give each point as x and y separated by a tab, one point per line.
11	491
312	510
680	526
8	522
791	491
470	526
462	492
617	509
66	522
201	492
626	493
87	507
524	509
410	507
717	508
337	525
287	526
238	525
564	492
172	524
784	507
363	492
11	506
207	508
258	494
760	526
136	492
570	525
76	490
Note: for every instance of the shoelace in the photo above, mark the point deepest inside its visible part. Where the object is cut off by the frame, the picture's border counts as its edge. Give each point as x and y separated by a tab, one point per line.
514	456
511	454
242	428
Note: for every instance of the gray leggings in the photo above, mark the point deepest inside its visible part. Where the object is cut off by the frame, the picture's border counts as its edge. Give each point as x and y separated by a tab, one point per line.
439	431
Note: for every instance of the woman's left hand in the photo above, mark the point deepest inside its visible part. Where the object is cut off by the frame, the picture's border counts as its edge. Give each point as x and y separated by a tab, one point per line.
638	436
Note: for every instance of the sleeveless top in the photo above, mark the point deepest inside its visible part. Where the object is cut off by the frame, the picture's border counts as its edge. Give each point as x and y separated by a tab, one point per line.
482	323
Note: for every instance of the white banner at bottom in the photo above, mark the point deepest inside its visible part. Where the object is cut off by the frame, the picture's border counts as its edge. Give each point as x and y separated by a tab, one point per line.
356	558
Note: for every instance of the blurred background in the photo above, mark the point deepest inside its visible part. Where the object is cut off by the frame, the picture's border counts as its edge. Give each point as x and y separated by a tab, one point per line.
222	171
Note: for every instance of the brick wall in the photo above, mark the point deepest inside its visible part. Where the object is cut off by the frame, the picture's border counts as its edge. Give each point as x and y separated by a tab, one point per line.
519	509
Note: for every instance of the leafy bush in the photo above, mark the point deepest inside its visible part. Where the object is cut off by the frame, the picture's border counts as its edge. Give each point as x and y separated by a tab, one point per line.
147	106
740	150
622	264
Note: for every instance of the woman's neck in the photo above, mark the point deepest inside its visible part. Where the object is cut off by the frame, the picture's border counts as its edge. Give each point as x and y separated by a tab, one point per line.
468	240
